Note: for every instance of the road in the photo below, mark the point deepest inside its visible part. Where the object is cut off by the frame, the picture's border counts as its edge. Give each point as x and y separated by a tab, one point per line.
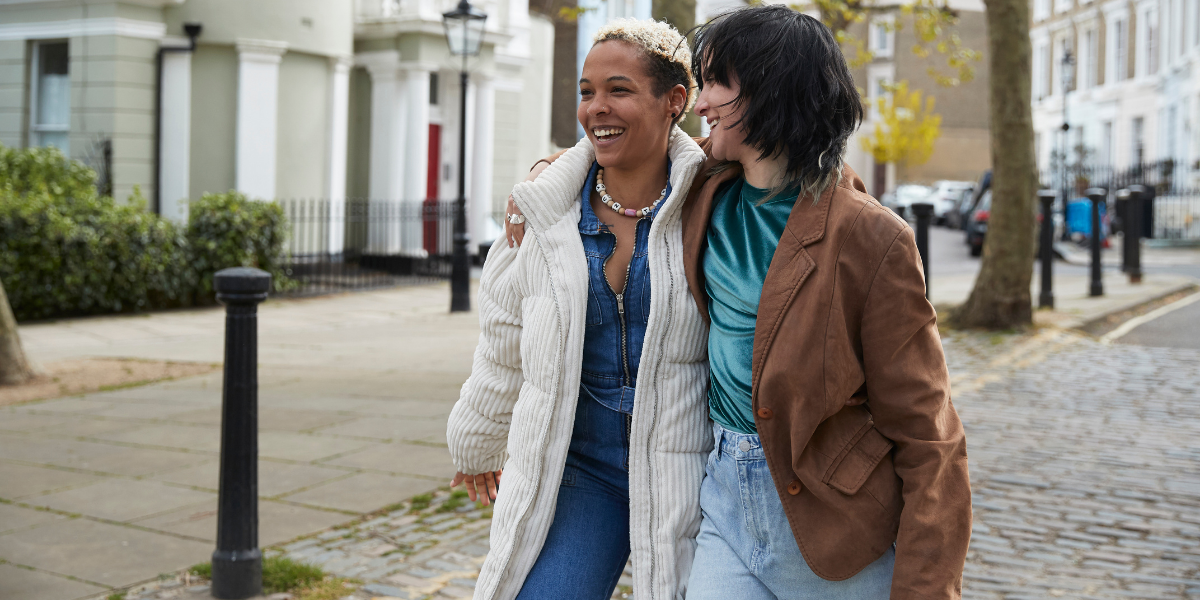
1177	329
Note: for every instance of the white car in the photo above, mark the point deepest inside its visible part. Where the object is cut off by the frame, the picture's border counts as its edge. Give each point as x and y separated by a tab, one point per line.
946	195
904	197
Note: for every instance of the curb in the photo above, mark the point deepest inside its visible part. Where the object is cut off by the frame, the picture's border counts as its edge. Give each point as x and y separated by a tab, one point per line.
1097	325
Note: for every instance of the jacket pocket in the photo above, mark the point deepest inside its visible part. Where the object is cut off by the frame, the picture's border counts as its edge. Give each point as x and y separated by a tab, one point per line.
857	459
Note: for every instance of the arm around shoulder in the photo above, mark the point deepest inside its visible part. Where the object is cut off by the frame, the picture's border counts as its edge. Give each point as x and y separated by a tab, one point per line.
477	431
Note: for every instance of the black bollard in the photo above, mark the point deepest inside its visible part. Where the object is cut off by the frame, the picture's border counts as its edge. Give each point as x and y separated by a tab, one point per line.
237	561
1046	298
902	211
1098	196
1133	233
1121	211
924	213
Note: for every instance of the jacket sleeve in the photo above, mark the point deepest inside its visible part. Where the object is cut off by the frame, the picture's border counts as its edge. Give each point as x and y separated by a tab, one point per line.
477	431
908	390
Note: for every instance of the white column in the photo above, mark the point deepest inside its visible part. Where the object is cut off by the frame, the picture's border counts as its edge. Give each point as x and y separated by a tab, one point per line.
258	116
416	163
387	150
479	196
175	136
339	121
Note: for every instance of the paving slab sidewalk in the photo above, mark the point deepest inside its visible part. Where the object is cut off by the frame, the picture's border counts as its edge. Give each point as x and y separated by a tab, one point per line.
108	489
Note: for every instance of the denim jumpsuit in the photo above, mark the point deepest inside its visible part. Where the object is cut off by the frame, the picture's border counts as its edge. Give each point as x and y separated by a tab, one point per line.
588	542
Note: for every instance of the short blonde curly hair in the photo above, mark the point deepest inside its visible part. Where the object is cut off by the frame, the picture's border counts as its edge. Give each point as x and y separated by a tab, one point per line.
667	51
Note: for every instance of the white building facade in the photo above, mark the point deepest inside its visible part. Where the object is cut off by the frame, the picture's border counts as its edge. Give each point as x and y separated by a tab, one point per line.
1130	93
281	99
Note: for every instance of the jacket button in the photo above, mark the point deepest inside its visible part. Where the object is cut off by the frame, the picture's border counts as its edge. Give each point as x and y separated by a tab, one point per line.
794	487
765	412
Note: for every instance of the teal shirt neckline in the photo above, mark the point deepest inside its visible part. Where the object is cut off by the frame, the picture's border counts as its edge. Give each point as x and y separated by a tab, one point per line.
743	233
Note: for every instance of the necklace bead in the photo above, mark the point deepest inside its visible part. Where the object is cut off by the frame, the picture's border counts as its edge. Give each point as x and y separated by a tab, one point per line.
616	206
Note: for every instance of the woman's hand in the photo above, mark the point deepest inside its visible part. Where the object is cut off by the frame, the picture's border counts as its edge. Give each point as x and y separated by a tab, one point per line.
478	484
516	232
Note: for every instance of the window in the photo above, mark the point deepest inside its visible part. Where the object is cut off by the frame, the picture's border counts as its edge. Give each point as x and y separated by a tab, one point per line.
1172	115
1090	77
433	88
1080	141
1106	143
1041	9
1120	53
882	37
1139	148
1151	44
51	96
1041	71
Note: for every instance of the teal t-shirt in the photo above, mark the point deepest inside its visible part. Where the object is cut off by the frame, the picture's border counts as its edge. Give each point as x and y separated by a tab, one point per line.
742	236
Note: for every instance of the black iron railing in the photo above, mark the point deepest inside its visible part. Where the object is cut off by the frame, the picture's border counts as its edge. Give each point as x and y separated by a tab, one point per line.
358	243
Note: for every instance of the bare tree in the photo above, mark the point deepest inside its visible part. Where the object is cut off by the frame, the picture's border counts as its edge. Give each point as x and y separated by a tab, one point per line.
1001	297
14	367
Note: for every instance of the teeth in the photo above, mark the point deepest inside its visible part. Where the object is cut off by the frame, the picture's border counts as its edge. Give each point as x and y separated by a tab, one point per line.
607	132
713	122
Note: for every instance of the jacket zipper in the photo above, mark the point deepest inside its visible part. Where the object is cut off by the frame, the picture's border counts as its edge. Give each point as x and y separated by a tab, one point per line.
624	334
621	303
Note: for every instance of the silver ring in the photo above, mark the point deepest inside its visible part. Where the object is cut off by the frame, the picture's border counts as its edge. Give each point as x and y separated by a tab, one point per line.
516	219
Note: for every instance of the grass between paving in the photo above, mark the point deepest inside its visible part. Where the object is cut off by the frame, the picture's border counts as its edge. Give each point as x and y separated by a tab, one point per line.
280	574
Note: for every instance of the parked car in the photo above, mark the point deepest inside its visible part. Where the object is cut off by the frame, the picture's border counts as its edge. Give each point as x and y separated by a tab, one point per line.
904	197
983	185
956	218
978	222
945	196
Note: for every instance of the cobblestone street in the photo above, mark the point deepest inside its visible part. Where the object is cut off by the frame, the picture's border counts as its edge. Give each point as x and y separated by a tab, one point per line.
1085	463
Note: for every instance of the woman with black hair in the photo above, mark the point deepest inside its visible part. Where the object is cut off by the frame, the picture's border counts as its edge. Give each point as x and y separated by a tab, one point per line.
839	468
839	465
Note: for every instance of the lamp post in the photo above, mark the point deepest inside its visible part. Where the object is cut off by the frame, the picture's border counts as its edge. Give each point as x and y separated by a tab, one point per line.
1067	62
464	35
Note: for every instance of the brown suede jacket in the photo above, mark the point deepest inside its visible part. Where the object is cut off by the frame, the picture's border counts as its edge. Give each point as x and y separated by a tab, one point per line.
850	390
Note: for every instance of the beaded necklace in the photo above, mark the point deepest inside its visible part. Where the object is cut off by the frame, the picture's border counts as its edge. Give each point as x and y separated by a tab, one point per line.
616	206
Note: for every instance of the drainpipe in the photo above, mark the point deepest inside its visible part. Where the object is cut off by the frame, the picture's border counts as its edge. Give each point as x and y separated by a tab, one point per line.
192	30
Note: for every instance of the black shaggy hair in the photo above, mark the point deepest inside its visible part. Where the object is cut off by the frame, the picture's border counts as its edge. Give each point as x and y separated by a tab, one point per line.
797	96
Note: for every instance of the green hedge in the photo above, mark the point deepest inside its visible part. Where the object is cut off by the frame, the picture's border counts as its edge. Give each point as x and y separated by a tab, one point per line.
228	230
66	251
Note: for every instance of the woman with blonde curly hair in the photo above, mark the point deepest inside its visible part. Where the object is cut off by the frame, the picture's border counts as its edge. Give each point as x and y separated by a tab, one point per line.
587	390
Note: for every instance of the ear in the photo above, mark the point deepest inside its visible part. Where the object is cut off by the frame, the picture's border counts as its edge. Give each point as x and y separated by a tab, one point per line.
677	101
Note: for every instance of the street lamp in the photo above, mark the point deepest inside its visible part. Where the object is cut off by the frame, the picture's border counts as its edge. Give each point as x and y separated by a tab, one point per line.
1067	74
464	35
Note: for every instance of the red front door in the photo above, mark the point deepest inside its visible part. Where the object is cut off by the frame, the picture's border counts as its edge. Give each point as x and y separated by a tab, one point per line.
431	190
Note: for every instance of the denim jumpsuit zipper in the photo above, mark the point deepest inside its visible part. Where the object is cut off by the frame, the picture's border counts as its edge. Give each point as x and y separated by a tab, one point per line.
588	543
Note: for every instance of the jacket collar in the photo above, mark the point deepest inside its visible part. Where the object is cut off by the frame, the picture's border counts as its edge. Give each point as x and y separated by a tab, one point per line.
790	265
556	192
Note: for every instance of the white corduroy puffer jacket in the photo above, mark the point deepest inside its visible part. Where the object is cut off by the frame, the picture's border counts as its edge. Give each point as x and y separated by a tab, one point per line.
517	409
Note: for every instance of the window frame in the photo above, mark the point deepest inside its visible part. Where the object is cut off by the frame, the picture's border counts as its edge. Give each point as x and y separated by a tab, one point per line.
889	36
36	128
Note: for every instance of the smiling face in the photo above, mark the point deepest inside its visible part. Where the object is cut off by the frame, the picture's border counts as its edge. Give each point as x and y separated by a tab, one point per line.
716	103
626	122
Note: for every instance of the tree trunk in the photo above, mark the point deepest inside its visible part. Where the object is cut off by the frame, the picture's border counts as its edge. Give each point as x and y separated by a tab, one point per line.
14	368
1001	297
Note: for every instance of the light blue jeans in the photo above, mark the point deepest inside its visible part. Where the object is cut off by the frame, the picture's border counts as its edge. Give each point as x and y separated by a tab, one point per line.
746	549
